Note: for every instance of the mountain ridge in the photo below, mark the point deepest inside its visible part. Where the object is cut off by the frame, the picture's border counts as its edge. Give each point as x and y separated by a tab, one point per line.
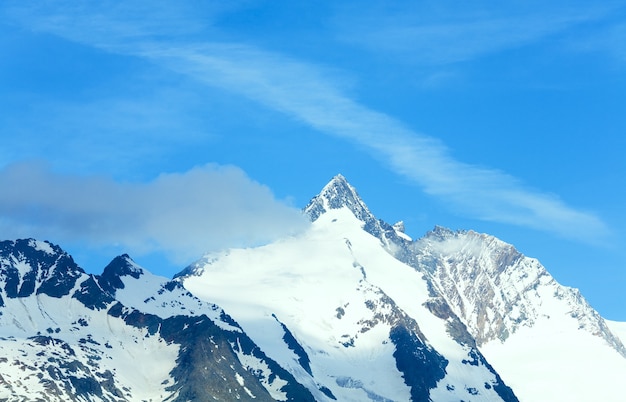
338	204
86	344
339	193
350	310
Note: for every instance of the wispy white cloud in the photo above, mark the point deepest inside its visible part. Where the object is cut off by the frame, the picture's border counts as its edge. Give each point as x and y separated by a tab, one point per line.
308	94
303	92
127	21
184	214
610	39
424	36
110	130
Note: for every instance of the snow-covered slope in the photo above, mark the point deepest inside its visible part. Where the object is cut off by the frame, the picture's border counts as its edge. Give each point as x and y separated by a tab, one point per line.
351	310
618	328
466	292
544	339
355	321
125	335
52	346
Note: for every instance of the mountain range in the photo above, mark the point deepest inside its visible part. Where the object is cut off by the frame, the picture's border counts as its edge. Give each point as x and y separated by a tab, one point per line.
352	309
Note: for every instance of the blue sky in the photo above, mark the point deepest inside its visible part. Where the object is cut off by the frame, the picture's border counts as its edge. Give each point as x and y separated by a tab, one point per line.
167	129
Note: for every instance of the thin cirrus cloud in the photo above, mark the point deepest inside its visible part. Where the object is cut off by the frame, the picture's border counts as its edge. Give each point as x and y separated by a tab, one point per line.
183	215
610	40
302	92
306	93
445	39
132	128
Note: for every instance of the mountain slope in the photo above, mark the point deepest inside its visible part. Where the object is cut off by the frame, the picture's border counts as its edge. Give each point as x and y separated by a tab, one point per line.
56	349
544	338
362	317
350	310
468	293
124	335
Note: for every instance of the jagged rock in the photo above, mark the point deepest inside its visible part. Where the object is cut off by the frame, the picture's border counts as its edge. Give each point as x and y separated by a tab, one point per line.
353	309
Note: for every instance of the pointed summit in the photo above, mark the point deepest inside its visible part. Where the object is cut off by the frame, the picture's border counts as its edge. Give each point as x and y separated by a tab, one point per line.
121	266
338	193
441	233
29	266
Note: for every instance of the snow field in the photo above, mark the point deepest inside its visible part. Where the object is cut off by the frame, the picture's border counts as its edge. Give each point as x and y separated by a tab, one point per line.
106	342
318	284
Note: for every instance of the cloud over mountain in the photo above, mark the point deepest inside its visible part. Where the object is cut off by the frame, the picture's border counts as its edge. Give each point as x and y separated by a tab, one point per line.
184	214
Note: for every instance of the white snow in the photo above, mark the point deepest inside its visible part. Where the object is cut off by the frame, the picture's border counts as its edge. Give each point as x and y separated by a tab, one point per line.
554	348
147	294
618	328
127	348
273	386
316	276
403	235
41	246
306	281
554	360
22	268
327	286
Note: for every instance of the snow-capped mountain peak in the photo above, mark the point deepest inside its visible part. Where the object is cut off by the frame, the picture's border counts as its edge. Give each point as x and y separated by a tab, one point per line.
337	194
496	289
120	266
125	335
440	233
519	315
501	298
351	309
29	266
345	308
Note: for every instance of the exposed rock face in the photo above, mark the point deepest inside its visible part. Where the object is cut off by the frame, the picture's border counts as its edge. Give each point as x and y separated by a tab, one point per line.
30	267
66	336
353	309
338	193
487	292
494	288
111	278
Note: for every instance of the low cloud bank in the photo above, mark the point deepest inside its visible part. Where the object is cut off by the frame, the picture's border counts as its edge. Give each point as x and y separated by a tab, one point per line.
182	214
